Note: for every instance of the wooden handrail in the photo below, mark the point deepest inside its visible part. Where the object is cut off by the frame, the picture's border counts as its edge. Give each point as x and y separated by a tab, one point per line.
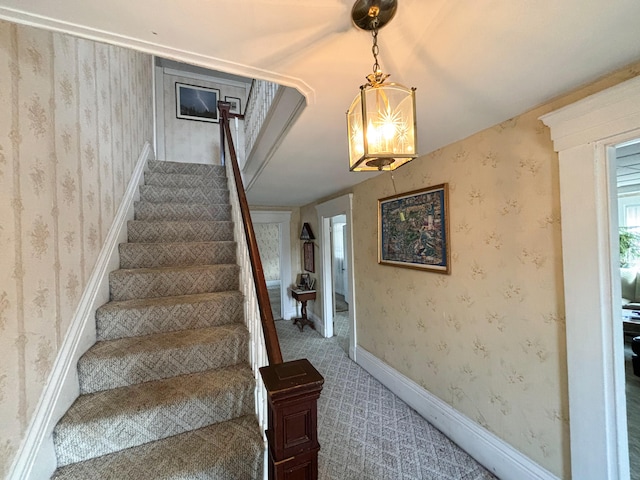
292	388
264	305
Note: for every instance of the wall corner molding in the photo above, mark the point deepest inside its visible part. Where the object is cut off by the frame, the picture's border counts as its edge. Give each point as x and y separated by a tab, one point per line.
493	453
36	458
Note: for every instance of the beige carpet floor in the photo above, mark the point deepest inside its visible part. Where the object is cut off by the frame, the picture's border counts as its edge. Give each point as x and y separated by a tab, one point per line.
365	431
274	299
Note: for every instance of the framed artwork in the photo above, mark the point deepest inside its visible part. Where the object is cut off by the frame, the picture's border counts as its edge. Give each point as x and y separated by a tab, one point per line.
197	103
236	107
309	264
413	229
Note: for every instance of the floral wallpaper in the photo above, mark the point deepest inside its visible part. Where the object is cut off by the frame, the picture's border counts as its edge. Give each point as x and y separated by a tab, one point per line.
75	116
268	238
489	339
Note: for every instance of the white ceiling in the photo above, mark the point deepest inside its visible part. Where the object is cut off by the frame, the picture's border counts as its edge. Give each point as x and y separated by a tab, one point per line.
628	167
475	63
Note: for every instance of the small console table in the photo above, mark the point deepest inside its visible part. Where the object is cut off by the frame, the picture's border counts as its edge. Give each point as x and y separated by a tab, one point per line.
303	296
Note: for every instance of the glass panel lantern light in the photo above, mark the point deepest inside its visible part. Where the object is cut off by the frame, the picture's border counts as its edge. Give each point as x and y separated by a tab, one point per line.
381	122
381	125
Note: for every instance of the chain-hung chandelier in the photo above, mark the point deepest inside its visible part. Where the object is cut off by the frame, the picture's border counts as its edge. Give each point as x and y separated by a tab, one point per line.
381	121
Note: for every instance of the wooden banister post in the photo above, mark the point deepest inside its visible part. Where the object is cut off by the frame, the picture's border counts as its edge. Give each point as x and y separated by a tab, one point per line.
293	389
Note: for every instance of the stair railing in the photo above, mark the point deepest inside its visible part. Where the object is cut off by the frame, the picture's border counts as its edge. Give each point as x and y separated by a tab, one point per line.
292	388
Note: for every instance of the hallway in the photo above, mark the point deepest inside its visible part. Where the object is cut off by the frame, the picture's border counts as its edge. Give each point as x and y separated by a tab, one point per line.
365	431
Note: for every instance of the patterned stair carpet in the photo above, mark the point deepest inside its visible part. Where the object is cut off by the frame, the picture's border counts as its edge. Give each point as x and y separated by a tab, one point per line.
166	391
365	431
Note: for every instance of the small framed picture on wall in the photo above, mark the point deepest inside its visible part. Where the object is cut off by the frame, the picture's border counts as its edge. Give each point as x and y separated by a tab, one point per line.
236	107
309	263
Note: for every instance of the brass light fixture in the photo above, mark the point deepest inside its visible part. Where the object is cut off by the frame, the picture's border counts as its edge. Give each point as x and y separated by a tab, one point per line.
381	122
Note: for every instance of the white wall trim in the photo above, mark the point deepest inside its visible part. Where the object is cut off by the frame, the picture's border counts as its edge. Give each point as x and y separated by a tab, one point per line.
338	206
205	78
287	105
154	105
26	18
317	323
36	458
283	219
492	452
158	119
584	134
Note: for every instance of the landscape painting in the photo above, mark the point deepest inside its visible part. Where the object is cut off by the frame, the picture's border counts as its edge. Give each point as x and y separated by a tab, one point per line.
197	103
413	229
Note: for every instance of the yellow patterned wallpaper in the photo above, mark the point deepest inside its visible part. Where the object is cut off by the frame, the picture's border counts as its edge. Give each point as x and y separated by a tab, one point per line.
489	339
75	116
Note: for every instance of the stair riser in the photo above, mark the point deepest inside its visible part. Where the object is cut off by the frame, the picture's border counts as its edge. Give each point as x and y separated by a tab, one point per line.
154	231
154	194
77	440
130	284
97	374
185	211
155	166
167	392
150	255
182	180
113	323
232	450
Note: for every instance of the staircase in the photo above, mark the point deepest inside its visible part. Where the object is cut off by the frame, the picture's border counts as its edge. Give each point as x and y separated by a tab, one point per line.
167	391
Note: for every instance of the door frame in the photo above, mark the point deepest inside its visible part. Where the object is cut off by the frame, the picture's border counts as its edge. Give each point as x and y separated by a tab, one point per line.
283	219
326	211
584	134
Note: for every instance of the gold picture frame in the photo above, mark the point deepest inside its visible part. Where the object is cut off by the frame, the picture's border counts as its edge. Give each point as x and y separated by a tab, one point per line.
413	230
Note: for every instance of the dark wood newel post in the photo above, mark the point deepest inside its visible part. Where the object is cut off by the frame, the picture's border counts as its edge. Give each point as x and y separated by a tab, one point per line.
293	389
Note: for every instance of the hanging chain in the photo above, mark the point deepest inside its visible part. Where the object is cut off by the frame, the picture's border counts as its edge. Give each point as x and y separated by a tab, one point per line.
375	49
377	77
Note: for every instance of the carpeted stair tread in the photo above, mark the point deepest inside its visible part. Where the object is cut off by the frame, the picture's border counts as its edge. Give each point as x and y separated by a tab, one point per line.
160	388
137	317
200	195
127	284
159	166
105	422
231	450
182	211
151	255
128	361
185	180
150	231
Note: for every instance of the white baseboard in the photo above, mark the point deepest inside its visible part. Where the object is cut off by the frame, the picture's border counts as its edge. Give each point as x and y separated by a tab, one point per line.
317	322
289	312
36	458
492	452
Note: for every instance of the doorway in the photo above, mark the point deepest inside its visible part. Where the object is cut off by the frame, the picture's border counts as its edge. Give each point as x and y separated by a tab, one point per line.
273	233
585	134
340	273
335	223
628	215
